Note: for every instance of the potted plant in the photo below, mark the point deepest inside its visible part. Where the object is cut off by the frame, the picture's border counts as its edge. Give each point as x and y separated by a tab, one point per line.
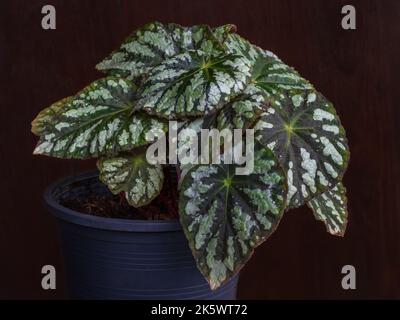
139	240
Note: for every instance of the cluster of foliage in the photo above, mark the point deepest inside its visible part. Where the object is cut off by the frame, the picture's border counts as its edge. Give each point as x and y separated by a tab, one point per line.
206	77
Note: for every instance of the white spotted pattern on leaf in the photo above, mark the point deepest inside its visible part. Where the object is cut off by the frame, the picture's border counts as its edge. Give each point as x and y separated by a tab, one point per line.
269	73
242	112
156	42
331	208
235	44
304	131
225	216
140	181
194	83
97	121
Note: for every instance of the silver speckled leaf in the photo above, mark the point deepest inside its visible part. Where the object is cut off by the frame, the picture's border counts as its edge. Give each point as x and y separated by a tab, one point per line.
156	42
274	77
140	181
331	208
242	112
99	120
269	73
304	131
222	33
194	83
225	216
235	44
43	121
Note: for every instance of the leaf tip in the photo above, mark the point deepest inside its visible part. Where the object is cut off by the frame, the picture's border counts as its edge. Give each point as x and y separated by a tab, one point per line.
36	152
232	28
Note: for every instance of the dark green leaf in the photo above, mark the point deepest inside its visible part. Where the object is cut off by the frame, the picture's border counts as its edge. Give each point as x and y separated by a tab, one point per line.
304	131
269	73
331	208
235	44
242	112
99	120
225	216
194	83
156	42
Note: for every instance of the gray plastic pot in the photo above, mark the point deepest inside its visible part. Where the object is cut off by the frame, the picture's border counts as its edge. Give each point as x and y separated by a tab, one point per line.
109	258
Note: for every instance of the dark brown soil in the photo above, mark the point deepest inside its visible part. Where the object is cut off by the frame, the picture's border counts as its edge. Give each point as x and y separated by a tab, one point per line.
164	207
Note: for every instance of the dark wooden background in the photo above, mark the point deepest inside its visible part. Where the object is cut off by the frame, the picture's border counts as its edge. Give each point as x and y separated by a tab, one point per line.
358	70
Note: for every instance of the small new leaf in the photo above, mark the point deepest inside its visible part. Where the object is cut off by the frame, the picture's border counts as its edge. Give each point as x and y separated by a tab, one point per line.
98	121
331	208
140	181
225	216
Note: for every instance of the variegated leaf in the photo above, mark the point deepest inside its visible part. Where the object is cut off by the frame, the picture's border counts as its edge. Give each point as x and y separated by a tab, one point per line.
331	208
140	181
273	76
225	216
304	131
242	112
235	44
269	73
156	42
41	124
99	120
194	83
222	33
184	142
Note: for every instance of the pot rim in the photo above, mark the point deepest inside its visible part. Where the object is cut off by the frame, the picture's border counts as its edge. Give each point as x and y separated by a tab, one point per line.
114	224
